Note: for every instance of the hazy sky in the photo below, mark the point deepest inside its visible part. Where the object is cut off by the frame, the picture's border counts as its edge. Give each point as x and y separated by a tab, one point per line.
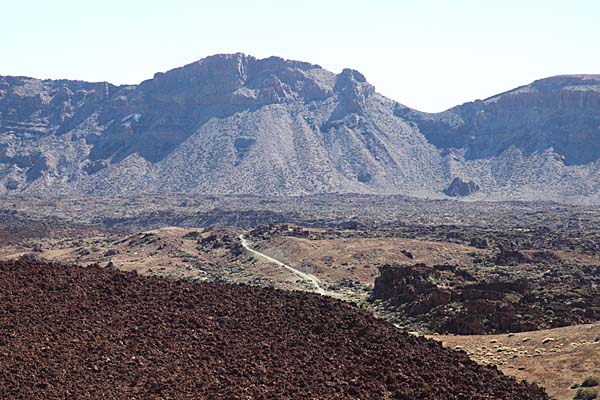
430	55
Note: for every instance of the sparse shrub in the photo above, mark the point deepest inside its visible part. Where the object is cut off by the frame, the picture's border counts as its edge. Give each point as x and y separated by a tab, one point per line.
480	243
590	381
586	394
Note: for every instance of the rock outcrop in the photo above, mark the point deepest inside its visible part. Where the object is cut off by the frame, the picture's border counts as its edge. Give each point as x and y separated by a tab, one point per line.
460	188
448	299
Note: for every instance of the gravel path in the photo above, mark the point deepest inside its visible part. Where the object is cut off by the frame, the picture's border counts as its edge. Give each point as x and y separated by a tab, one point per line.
316	282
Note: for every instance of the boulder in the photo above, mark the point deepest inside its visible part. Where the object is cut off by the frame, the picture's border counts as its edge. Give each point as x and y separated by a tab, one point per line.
460	188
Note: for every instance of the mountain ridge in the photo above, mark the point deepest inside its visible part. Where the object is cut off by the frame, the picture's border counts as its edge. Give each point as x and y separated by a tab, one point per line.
237	124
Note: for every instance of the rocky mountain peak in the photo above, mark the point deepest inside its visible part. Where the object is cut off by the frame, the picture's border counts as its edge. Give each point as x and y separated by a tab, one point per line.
233	123
351	75
555	91
353	89
562	81
560	113
239	79
209	77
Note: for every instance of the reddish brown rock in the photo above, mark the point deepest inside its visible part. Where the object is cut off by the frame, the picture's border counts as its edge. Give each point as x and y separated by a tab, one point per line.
91	333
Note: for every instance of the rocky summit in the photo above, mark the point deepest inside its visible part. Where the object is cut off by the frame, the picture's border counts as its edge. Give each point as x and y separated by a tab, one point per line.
237	124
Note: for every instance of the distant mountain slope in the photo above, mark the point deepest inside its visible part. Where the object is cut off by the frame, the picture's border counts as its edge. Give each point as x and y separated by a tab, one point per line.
561	112
237	124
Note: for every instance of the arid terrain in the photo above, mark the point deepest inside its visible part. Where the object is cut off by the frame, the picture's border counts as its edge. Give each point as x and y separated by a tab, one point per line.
406	209
558	358
512	285
92	333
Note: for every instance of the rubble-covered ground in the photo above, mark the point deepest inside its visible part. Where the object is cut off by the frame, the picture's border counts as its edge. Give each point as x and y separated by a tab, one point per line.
68	331
426	266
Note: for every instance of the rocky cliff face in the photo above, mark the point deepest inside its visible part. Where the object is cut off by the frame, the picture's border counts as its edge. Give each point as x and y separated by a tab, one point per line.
237	124
560	113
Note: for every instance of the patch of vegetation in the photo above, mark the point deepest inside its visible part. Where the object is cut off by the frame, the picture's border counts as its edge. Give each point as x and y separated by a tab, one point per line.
590	381
586	394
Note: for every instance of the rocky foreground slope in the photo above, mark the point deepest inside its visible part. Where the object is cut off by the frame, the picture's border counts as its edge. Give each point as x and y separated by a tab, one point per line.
237	124
69	332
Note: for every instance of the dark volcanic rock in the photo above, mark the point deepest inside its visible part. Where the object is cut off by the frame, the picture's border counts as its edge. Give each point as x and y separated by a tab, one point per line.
449	300
509	257
93	333
458	187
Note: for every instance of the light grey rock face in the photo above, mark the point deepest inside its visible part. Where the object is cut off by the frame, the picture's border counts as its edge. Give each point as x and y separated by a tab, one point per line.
560	113
160	114
43	126
237	124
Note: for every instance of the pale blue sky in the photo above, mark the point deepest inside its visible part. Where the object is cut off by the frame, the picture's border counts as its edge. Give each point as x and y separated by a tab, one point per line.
426	54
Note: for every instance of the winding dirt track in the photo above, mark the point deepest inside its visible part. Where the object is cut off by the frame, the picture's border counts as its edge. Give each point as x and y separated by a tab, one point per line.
316	282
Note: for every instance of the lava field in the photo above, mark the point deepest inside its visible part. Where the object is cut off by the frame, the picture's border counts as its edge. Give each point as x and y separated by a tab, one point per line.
93	333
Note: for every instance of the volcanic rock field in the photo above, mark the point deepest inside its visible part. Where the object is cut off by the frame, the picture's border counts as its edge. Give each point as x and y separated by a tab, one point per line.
93	333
